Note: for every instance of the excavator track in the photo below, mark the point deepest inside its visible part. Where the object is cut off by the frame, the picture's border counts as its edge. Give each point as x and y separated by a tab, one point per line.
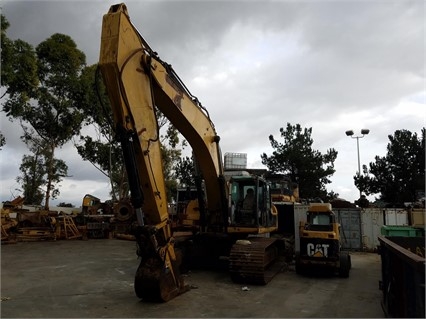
255	260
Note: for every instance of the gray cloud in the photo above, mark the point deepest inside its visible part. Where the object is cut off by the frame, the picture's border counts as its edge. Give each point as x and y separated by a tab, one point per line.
256	65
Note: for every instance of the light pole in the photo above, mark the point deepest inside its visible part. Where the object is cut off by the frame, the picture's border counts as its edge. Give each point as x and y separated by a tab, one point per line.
350	133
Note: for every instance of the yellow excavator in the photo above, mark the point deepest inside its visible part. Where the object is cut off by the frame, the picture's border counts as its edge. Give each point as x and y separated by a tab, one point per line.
137	82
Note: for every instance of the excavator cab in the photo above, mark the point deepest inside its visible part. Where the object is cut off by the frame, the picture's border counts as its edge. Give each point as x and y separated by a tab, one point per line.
250	203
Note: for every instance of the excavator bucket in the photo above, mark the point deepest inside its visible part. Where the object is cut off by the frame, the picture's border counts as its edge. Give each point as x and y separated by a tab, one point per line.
157	277
154	282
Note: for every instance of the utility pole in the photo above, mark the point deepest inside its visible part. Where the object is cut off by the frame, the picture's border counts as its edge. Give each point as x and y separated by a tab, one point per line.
351	134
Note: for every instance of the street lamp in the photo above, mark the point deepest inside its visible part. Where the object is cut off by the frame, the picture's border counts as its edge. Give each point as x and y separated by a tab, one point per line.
350	133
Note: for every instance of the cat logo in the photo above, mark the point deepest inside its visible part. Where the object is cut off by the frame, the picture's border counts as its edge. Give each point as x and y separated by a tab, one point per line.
318	250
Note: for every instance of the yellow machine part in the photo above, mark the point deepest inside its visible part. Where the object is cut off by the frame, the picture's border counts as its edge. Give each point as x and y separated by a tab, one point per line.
192	214
320	207
127	66
333	234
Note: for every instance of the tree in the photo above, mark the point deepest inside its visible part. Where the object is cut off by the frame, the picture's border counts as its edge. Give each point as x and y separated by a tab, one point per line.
185	171
2	140
18	65
102	150
6	54
43	95
304	165
33	178
171	151
400	175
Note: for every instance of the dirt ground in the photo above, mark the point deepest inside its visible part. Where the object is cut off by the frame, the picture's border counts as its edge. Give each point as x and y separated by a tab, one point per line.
94	279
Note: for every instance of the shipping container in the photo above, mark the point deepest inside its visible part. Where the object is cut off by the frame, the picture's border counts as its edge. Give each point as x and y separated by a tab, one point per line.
372	220
371	223
350	224
299	215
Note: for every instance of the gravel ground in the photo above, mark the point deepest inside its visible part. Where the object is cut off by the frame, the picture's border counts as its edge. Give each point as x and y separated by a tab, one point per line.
94	279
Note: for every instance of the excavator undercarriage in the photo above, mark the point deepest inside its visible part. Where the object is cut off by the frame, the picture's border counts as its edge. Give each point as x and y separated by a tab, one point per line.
250	260
256	260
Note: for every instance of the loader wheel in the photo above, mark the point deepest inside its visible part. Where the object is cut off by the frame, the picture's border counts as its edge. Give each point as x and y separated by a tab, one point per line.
345	264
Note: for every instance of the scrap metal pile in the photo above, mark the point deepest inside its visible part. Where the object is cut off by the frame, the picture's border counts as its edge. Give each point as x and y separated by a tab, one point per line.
95	220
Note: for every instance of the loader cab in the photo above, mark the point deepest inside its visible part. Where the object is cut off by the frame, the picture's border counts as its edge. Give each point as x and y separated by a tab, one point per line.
320	221
90	204
185	214
320	218
250	202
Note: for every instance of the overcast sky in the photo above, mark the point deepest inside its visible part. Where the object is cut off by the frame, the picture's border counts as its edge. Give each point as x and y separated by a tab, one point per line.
256	66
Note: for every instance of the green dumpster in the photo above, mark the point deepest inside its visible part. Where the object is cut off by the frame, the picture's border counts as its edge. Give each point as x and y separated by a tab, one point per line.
400	231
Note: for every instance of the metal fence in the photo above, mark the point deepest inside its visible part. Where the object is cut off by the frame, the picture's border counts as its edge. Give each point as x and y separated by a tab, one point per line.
360	227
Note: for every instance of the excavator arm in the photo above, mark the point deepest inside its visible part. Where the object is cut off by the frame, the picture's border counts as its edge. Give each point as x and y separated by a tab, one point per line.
137	81
129	88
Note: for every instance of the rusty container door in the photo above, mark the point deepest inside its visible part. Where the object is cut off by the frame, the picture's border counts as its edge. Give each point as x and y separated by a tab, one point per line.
350	222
